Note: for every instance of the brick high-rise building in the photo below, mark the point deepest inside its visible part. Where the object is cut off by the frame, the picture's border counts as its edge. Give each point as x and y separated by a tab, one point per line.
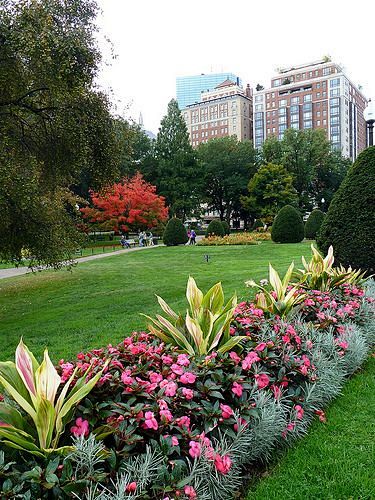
314	95
224	111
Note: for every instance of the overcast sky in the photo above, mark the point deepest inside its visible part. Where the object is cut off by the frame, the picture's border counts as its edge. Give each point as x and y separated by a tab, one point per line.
157	40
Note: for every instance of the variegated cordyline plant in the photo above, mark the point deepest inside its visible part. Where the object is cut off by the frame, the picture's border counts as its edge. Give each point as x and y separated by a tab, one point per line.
206	325
282	298
319	273
34	387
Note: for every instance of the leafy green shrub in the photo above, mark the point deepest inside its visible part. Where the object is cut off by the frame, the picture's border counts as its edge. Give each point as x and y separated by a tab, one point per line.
175	233
313	224
288	226
350	222
226	227
215	228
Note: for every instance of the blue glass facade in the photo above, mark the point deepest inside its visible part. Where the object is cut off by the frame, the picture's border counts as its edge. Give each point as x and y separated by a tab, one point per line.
189	88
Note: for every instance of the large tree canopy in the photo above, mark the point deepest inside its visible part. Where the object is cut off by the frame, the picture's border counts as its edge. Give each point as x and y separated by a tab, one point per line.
56	131
176	173
317	170
227	164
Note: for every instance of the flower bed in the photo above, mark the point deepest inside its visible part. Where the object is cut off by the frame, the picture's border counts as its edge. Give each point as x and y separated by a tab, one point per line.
165	424
235	239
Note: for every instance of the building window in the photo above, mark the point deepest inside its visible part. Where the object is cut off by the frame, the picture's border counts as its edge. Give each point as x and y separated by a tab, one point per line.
295	125
294	109
317	95
258	98
335	82
307	98
326	71
334	92
318	123
307	124
277	83
294	100
282	111
282	119
282	102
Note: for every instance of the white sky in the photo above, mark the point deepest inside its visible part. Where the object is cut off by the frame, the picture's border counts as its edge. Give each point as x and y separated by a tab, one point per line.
157	40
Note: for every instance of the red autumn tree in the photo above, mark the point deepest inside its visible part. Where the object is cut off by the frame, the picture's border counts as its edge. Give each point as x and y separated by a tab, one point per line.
130	204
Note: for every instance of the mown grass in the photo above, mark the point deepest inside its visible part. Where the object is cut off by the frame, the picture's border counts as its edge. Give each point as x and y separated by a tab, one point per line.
336	460
99	301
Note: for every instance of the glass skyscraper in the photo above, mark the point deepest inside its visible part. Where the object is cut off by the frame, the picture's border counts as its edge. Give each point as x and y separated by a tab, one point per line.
189	88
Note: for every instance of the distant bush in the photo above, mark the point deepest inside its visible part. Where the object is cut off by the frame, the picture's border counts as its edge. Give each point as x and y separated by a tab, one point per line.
175	233
215	228
313	224
226	226
257	224
349	225
288	226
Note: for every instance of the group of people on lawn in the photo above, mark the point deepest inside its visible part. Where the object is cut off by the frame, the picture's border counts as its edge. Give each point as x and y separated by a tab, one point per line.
144	240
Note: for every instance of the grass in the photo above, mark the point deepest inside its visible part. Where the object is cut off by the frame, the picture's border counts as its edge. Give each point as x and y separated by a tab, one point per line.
99	301
336	460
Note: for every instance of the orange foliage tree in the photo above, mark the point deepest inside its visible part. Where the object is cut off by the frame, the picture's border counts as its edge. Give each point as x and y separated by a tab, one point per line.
130	204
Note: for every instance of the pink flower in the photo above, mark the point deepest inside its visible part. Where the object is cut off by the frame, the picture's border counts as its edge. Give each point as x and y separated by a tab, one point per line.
81	428
67	371
131	487
177	369
173	438
104	379
222	463
309	302
237	389
183	360
300	411
235	357
155	377
195	449
243	423
262	380
306	361
260	347
166	415
126	379
343	344
321	415
276	391
150	421
188	393
183	421
167	360
251	358
170	387
188	378
286	339
226	411
309	344
190	492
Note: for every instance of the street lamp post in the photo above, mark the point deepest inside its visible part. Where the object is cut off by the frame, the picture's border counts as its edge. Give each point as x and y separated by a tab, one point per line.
369	115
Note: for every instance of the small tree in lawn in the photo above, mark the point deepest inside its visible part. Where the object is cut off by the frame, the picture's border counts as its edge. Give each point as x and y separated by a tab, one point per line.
215	228
288	226
175	233
129	204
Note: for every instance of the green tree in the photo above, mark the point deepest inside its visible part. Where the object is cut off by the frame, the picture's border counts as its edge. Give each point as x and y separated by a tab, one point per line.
227	164
288	226
350	221
56	130
317	170
313	224
175	233
177	175
269	190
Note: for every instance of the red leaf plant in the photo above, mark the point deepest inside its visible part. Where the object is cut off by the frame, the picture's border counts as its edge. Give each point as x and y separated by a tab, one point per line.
129	204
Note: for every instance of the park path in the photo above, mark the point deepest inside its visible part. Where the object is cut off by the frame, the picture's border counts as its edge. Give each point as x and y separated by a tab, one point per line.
18	271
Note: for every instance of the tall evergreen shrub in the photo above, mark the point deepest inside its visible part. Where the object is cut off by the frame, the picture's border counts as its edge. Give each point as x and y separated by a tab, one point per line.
175	233
288	226
313	224
226	226
349	225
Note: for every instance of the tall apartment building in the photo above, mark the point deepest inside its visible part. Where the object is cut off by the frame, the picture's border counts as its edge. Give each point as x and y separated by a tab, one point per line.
224	111
314	95
190	88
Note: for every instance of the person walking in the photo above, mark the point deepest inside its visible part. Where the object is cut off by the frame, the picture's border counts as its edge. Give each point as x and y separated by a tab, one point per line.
193	235
151	239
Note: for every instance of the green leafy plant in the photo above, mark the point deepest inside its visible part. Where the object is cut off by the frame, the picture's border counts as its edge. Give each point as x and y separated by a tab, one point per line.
206	324
34	387
319	273
282	298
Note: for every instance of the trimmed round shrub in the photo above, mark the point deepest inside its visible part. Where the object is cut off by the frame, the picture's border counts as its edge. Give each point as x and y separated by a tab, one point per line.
313	224
226	226
349	225
288	226
215	228
174	233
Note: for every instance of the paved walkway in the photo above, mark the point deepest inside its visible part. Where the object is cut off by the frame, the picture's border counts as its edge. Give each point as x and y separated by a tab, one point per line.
17	271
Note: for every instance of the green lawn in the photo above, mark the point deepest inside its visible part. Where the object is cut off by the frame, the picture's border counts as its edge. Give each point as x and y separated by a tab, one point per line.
336	460
99	301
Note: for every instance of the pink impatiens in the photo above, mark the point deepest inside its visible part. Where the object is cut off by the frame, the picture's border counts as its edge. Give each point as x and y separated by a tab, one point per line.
81	428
